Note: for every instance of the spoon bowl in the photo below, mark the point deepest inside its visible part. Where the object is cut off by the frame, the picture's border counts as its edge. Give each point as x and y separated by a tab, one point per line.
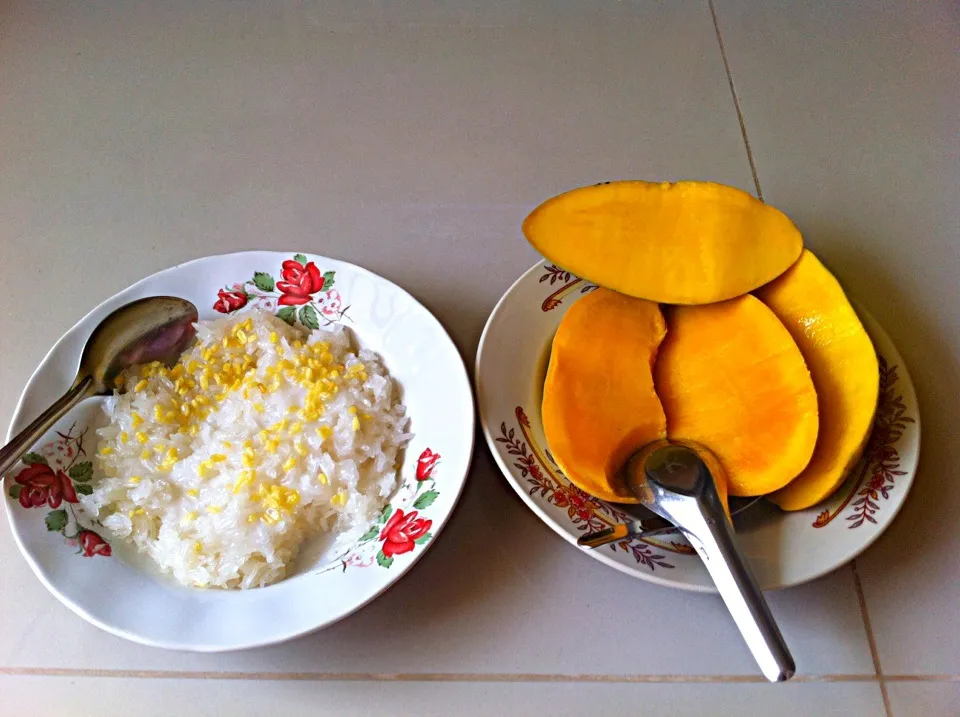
156	328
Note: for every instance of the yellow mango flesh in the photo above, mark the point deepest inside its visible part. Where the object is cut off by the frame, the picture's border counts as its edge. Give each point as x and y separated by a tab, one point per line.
674	243
731	378
843	363
599	405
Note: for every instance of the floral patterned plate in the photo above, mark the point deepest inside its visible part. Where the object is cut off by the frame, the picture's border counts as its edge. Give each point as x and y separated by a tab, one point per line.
106	582
784	548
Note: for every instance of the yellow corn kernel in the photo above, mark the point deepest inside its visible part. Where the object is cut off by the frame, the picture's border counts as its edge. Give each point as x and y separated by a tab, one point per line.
322	477
130	513
333	374
298	344
194	428
290	464
356	423
135	479
227	444
106	451
139	511
214	509
124	436
146	454
141	385
158	412
192	515
135	420
295	428
299	448
218	457
258	407
253	518
272	445
193	492
198	547
293	409
203	470
241	336
274	337
325	432
173	452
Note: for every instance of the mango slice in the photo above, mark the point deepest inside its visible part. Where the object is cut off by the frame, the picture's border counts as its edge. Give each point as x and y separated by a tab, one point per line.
599	405
843	364
674	243
731	378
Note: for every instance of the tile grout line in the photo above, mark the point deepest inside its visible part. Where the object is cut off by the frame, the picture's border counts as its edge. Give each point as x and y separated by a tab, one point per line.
454	676
871	640
420	677
736	101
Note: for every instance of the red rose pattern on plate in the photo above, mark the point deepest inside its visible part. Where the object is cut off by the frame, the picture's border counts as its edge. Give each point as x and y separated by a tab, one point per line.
53	477
303	294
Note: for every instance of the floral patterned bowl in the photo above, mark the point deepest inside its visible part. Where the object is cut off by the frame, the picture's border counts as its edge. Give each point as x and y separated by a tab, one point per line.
109	584
784	549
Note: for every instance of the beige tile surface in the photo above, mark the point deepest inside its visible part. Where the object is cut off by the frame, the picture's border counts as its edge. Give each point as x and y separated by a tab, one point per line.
412	140
851	110
106	697
924	699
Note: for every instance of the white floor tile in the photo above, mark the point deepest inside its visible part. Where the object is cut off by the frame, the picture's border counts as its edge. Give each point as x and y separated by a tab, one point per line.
924	699
851	110
106	697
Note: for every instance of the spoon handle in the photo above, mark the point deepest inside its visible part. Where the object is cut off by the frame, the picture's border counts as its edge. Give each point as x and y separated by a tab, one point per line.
23	441
714	540
681	488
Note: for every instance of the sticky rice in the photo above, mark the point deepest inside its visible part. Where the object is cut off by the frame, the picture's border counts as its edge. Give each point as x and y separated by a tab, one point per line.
261	436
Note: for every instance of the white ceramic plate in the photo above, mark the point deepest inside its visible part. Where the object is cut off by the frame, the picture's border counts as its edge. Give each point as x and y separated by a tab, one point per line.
107	583
784	549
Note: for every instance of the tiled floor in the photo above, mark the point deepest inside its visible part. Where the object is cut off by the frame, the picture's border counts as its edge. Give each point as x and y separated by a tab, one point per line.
413	142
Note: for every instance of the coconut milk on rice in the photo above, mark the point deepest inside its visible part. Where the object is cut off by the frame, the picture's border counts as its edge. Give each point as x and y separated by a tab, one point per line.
261	436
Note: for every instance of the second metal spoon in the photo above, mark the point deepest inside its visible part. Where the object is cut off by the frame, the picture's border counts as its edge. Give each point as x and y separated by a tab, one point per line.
157	328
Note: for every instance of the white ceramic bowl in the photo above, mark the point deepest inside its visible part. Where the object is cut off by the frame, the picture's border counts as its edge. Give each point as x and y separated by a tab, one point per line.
107	583
784	549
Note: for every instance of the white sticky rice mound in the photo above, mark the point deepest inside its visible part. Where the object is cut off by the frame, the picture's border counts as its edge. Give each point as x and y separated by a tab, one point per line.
172	490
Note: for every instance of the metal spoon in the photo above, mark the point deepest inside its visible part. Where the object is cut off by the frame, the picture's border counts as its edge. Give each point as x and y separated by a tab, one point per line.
157	328
674	481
